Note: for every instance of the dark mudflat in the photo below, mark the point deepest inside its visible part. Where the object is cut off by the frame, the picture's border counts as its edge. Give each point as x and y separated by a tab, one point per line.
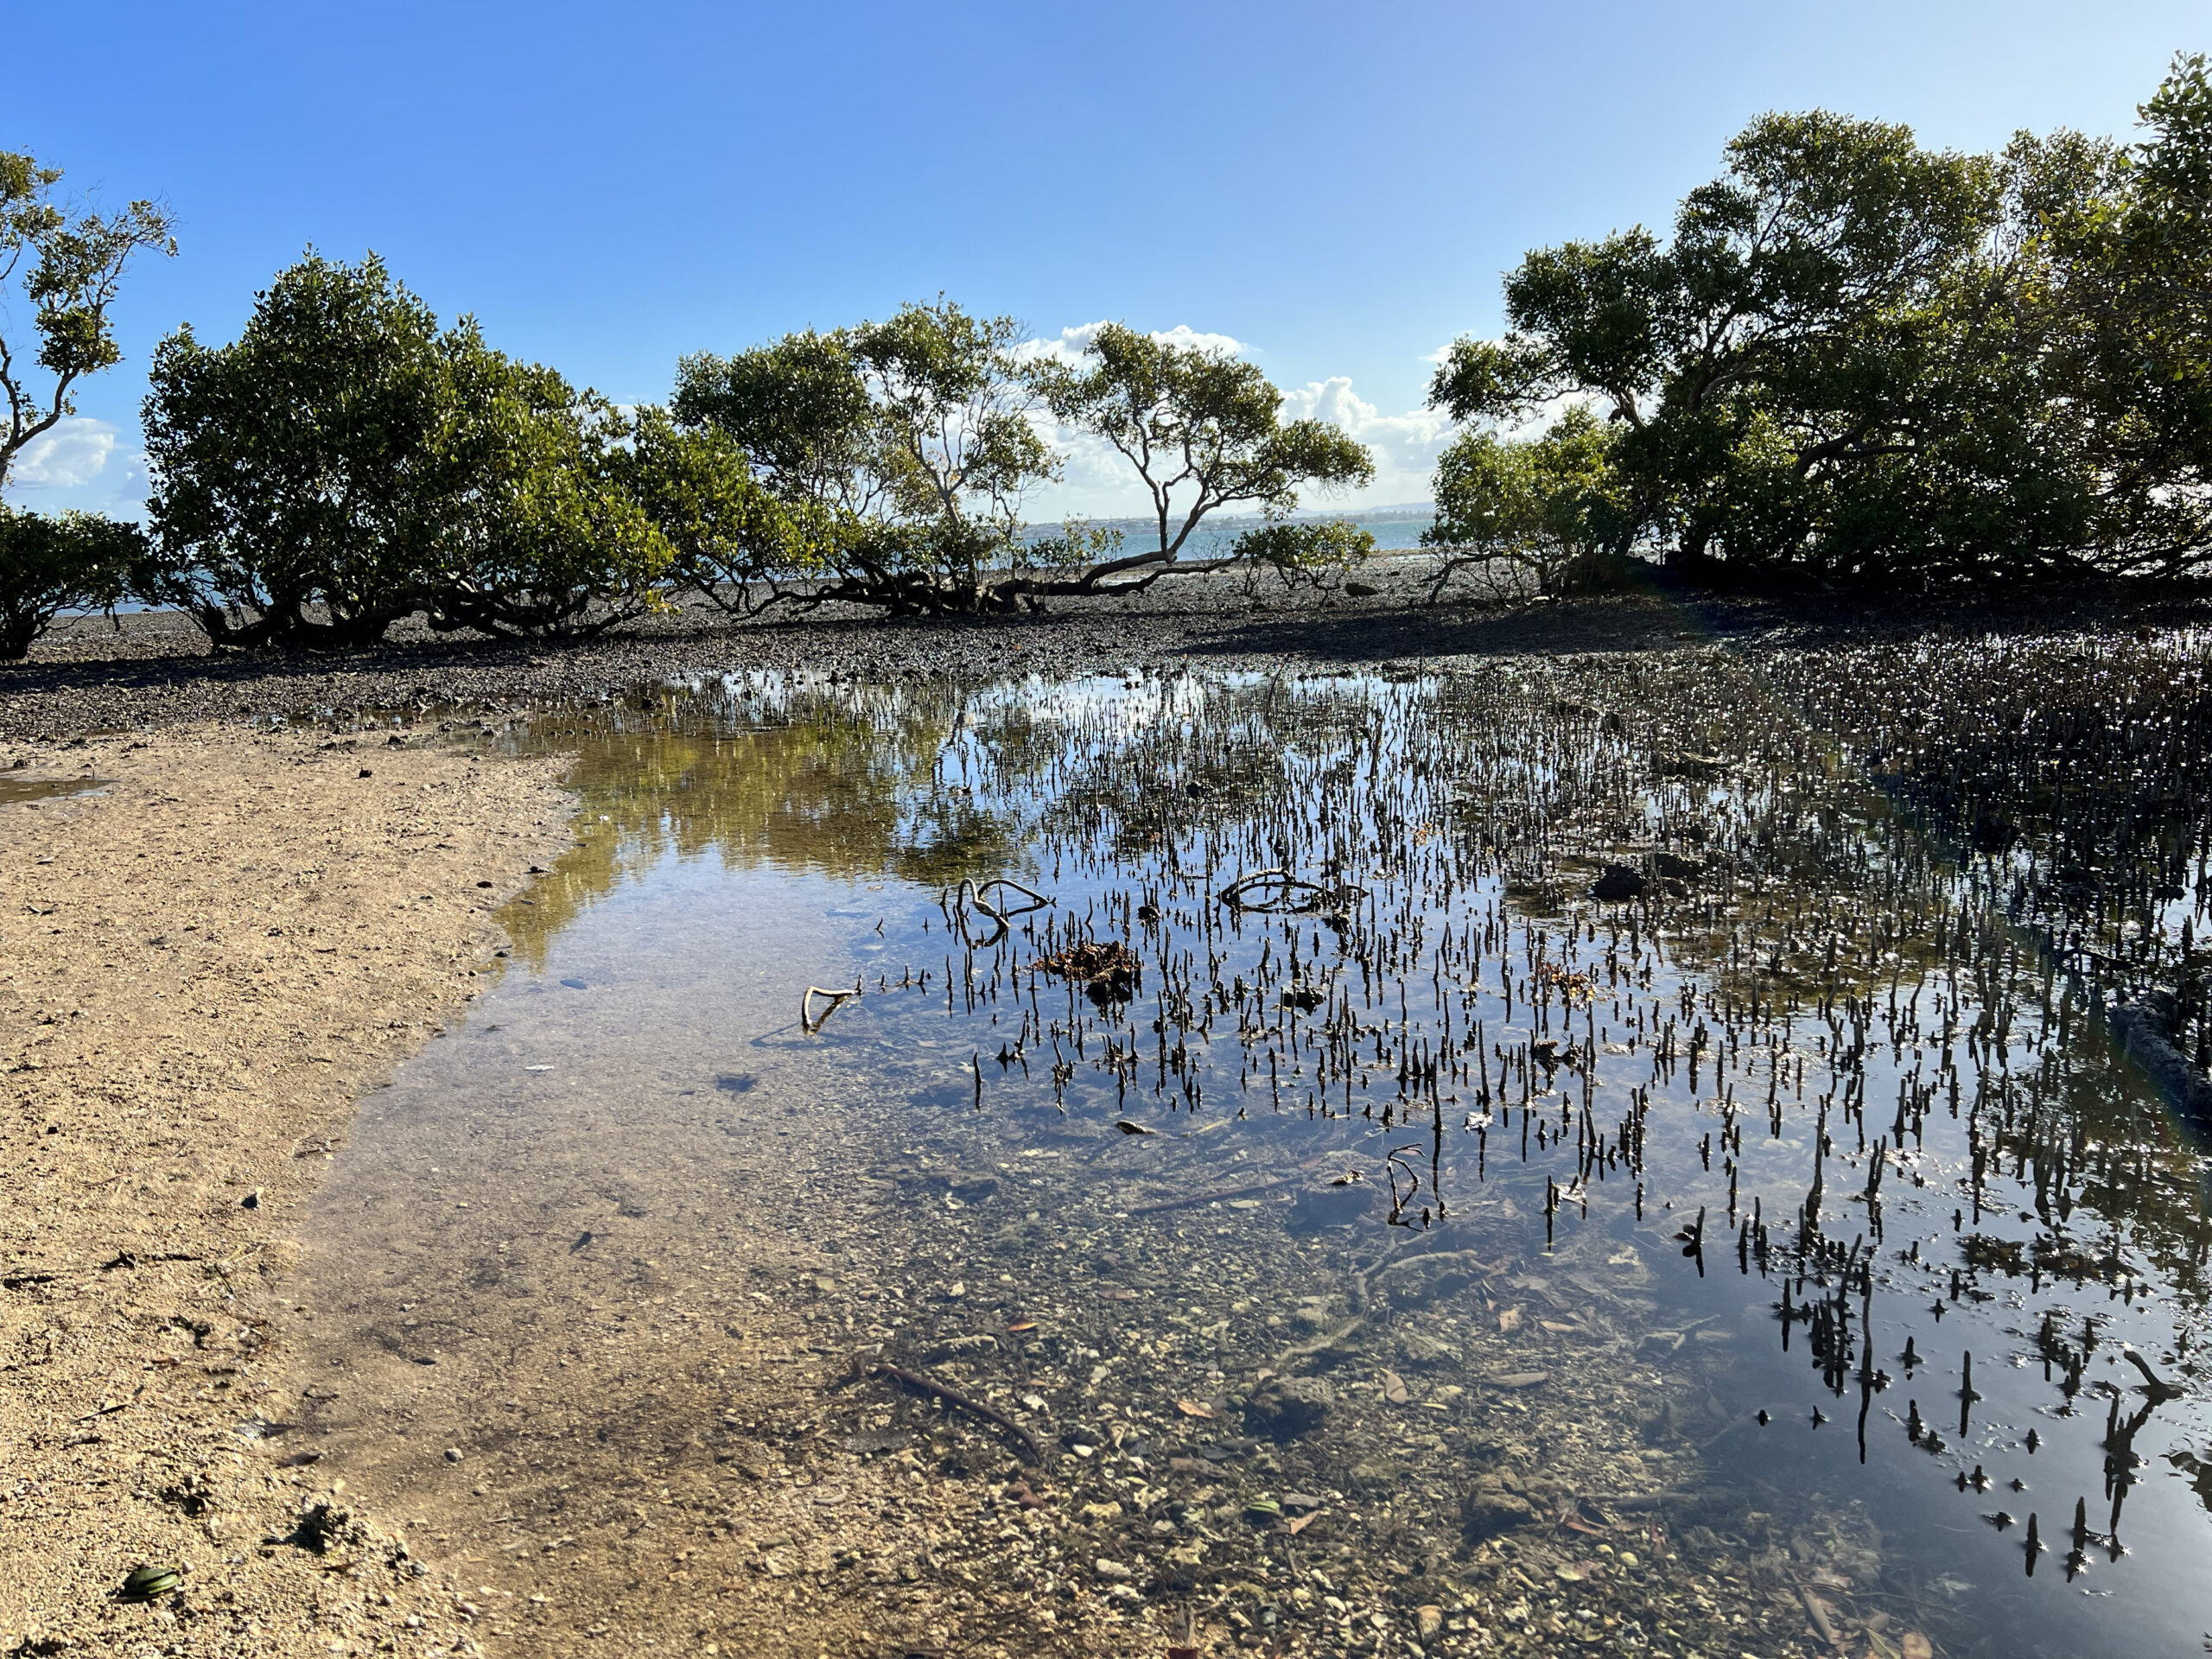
155	668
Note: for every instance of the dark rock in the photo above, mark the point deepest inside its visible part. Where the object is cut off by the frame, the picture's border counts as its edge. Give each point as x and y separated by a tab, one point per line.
1992	834
1287	1407
2144	1028
1331	1206
1490	1509
1618	882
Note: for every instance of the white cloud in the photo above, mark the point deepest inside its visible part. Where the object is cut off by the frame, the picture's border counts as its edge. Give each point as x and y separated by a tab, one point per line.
1098	480
1069	348
66	456
1405	446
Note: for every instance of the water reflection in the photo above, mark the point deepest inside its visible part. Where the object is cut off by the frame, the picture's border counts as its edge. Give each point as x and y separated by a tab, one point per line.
842	784
47	789
1411	1246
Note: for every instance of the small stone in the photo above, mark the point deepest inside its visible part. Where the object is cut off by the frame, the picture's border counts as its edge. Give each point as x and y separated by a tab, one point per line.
1429	1620
454	1454
1519	1380
1106	1569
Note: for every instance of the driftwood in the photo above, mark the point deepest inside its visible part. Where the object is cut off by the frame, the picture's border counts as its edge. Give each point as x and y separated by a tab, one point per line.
1281	883
951	1396
969	896
1285	891
838	1000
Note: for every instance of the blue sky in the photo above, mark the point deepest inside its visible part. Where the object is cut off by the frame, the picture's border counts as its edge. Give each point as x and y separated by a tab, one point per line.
1337	188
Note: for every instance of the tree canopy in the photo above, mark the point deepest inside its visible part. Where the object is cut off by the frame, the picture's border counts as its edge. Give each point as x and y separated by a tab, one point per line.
345	463
67	260
50	564
1202	430
1858	359
897	455
1538	515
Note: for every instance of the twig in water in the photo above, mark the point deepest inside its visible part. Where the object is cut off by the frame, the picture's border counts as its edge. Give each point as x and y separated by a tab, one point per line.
951	1396
838	1000
1281	884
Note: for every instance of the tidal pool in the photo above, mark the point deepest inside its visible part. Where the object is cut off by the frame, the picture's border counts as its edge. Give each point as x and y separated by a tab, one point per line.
1387	1164
13	790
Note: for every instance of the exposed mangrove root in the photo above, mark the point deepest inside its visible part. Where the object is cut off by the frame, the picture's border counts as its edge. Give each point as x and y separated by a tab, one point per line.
1037	900
969	896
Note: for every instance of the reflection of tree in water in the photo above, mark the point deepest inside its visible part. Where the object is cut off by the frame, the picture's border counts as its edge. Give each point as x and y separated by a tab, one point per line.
828	783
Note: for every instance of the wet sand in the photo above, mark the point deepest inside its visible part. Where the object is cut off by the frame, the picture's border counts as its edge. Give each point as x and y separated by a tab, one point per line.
204	962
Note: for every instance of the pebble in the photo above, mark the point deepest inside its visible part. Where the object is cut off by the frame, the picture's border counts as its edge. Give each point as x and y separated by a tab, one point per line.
1106	1569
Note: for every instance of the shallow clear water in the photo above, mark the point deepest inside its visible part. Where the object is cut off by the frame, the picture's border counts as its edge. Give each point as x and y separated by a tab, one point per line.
1430	1129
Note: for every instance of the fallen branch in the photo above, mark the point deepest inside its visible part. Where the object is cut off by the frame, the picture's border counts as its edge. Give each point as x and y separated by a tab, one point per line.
1476	1266
1817	1611
951	1396
1037	900
1298	1351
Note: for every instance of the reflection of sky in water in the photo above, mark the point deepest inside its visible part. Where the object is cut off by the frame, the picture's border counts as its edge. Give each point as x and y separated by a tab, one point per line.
1815	974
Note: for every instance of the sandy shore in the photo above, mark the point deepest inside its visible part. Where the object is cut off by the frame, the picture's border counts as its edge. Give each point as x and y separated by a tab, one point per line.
203	964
